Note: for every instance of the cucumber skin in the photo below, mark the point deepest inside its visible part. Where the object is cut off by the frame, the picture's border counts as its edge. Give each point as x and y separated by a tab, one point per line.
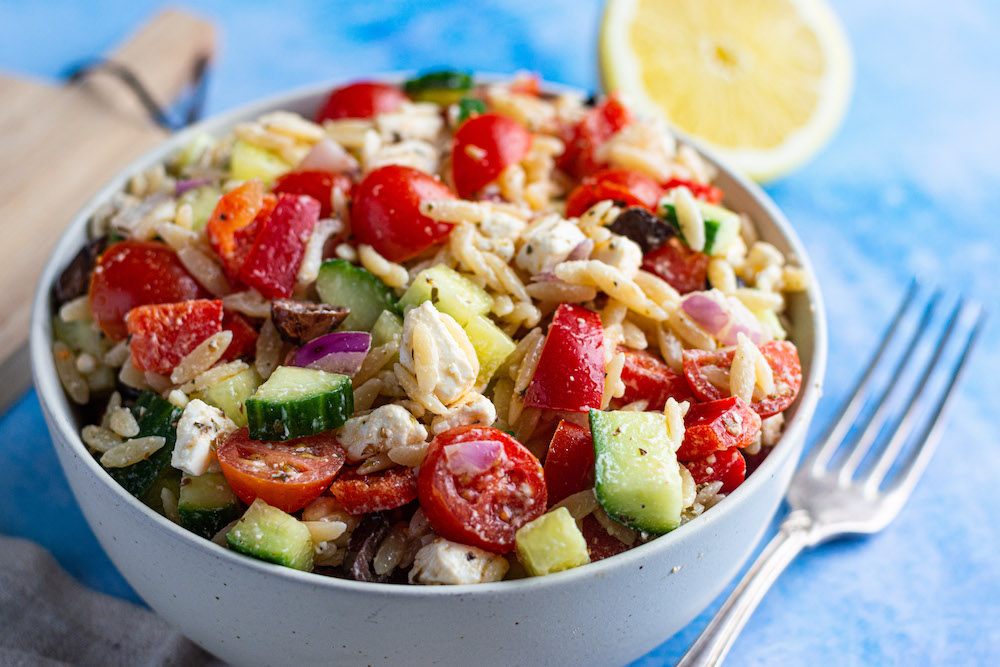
341	283
712	227
155	417
213	510
287	419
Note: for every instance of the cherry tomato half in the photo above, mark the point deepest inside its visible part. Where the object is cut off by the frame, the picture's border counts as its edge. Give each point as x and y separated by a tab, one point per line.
600	543
781	356
376	492
484	146
685	269
583	140
137	273
386	213
478	485
570	371
317	184
288	475
717	425
647	377
623	185
361	100
704	191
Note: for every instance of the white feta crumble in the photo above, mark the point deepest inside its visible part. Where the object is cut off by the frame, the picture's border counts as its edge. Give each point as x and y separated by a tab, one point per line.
200	430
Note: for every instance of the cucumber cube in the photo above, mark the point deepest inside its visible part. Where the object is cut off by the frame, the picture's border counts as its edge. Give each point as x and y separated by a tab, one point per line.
388	327
206	504
448	291
269	534
722	226
202	201
638	480
492	346
298	402
551	543
340	283
231	394
248	161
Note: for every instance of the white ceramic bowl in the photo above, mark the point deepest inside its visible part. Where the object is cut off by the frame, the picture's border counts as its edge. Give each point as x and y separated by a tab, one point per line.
251	612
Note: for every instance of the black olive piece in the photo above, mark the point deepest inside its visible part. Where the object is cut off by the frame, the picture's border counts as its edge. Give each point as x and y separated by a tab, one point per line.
641	226
74	281
365	541
299	322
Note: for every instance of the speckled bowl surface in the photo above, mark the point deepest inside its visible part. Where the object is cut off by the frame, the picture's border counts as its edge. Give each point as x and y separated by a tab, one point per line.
255	613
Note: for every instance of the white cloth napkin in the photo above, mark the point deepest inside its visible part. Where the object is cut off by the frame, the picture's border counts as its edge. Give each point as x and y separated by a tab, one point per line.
47	618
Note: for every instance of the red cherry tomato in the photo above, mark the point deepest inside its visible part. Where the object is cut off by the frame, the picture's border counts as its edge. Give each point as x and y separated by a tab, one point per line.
570	371
162	334
781	356
594	129
478	485
706	192
526	84
136	273
386	213
647	377
623	185
683	268
377	492
569	463
721	424
600	543
484	146
727	466
317	184
361	100
288	475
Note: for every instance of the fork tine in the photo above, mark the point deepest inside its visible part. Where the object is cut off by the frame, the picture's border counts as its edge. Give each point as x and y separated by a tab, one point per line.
919	457
859	448
834	436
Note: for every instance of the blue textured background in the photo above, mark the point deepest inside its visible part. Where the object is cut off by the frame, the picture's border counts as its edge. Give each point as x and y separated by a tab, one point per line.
909	186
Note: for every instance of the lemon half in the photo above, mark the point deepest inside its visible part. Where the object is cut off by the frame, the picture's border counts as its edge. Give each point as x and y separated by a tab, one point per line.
763	82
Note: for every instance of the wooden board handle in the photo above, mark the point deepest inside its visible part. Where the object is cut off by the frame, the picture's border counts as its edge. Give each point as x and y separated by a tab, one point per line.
162	55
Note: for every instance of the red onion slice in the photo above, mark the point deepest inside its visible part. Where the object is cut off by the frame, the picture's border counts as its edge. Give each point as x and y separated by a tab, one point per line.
722	317
582	250
472	457
339	352
328	155
183	186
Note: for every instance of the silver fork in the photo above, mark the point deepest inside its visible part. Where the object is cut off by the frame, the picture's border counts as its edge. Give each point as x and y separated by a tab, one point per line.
831	494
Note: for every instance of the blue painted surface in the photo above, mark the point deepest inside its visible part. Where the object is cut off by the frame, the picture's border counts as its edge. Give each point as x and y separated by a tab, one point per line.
909	185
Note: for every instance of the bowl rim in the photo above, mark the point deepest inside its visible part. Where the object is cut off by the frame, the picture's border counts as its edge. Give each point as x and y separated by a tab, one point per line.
55	406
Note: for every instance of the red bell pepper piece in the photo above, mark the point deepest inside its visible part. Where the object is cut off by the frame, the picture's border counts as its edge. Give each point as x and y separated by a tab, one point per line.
726	465
277	252
376	492
163	334
244	341
570	372
683	268
317	184
600	543
648	377
235	210
594	129
569	463
703	191
722	424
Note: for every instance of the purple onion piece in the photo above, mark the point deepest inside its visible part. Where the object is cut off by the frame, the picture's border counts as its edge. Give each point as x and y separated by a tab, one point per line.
582	250
183	186
472	457
338	352
364	543
706	312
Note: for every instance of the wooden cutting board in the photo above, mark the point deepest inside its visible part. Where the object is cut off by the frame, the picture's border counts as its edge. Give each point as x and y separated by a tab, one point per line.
60	143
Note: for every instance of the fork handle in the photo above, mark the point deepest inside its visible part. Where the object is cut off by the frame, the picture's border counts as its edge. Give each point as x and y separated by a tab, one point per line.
714	642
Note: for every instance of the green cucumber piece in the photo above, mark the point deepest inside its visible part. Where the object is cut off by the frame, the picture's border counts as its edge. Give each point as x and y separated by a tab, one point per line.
468	107
194	149
202	202
387	328
442	87
248	161
155	417
169	479
638	478
448	291
80	336
492	346
207	504
231	394
722	226
340	283
298	402
269	534
551	543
